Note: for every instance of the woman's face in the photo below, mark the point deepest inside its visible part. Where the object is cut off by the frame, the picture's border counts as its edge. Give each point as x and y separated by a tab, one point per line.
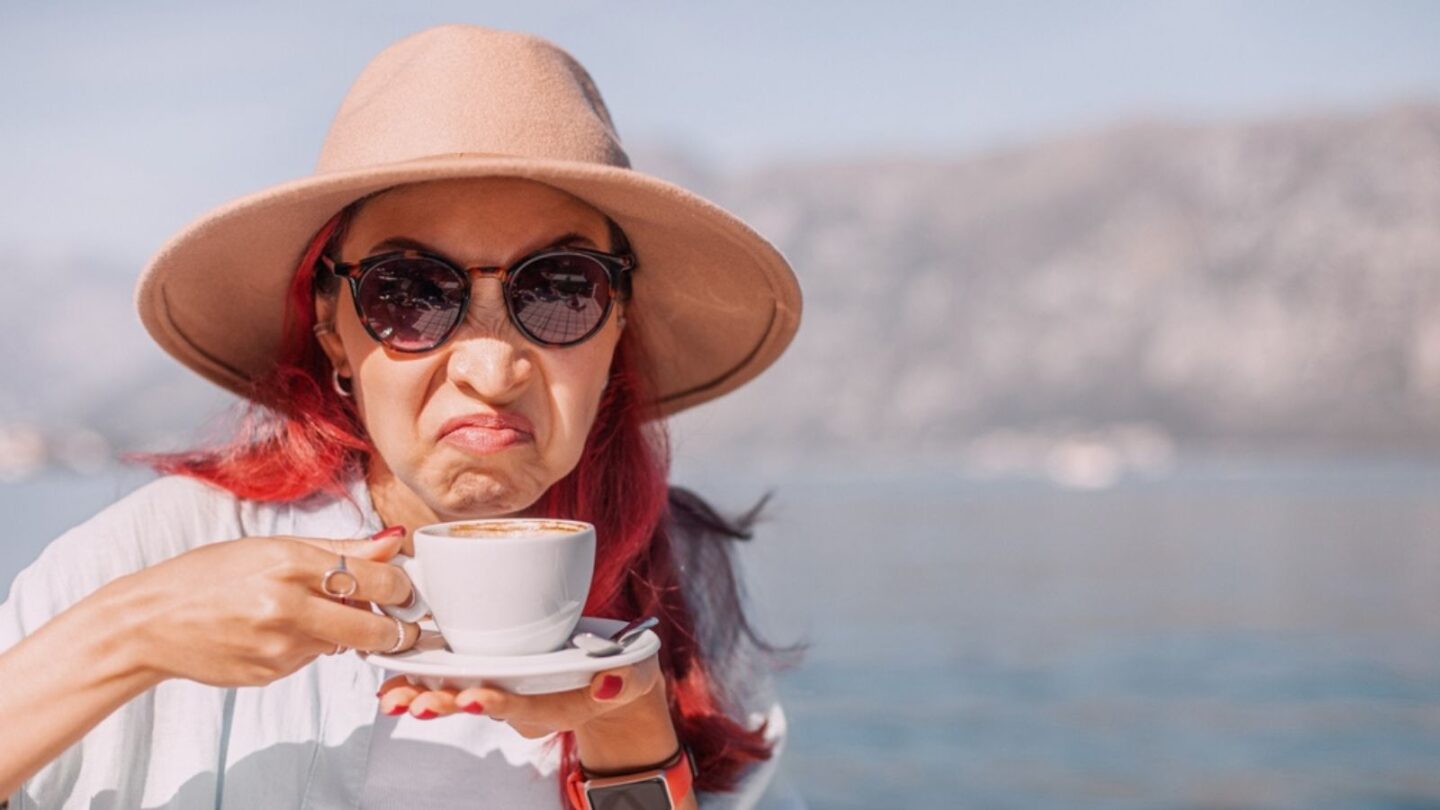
487	366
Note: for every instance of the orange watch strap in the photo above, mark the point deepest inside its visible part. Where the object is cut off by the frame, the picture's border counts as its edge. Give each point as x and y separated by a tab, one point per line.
679	779
575	792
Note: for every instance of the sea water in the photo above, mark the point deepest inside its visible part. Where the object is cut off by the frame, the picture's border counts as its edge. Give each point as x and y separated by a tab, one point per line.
1236	634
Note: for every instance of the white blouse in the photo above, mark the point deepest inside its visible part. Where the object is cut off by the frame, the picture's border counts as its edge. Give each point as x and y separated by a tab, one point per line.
313	739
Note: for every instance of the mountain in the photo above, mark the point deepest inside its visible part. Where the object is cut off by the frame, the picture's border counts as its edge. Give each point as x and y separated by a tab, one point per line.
1265	285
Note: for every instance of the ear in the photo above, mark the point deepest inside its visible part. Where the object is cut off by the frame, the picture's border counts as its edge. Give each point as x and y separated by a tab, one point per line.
325	312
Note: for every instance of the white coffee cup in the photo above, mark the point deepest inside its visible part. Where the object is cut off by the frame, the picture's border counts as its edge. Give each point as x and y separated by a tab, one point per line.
500	586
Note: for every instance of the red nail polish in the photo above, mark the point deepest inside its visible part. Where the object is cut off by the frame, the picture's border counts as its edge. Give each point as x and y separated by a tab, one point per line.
427	714
474	708
399	708
609	687
388	532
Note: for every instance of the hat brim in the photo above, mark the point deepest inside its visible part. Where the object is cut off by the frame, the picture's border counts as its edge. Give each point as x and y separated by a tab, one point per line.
719	302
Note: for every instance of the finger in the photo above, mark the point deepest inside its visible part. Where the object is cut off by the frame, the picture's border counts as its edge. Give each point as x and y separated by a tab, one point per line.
380	546
471	700
375	581
396	698
392	682
607	690
434	703
355	627
430	640
422	643
616	687
555	710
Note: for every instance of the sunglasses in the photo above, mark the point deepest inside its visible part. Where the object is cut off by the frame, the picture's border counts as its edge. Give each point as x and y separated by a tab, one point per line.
412	300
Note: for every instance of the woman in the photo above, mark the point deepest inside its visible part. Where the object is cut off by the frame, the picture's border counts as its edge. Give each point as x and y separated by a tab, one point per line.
473	250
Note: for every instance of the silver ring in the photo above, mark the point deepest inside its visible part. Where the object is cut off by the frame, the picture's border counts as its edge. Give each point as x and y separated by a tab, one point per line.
399	637
339	569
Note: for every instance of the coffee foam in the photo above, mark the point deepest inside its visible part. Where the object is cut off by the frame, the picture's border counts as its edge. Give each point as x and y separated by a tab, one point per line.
515	528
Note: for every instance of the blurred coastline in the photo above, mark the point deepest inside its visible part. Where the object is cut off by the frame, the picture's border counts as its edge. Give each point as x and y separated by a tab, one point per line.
1082	308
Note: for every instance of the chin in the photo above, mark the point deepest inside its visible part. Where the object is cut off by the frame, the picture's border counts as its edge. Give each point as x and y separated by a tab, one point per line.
480	494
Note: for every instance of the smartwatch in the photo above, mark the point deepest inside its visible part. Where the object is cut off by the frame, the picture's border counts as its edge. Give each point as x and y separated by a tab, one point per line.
659	787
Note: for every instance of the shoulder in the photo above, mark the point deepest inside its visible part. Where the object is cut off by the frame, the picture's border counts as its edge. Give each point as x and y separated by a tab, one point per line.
154	522
158	520
172	514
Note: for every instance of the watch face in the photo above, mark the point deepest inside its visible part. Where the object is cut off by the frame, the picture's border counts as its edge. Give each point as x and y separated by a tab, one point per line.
648	795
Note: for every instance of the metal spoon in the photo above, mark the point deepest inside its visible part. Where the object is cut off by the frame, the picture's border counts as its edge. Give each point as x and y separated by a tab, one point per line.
598	647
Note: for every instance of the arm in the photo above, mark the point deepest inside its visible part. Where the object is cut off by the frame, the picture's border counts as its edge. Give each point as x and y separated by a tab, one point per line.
231	613
627	739
635	735
62	680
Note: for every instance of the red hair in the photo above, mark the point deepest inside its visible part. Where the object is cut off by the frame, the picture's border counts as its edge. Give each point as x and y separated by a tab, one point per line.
299	437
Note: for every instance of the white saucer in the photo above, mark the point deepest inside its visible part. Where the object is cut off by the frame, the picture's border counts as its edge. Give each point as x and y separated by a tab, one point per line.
429	664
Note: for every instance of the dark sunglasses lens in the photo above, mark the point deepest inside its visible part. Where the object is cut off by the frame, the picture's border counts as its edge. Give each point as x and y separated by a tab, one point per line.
561	298
412	304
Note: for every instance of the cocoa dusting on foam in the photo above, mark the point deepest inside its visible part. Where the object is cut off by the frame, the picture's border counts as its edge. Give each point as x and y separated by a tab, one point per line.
514	529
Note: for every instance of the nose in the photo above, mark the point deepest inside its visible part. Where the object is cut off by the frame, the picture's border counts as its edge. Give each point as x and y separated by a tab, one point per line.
488	355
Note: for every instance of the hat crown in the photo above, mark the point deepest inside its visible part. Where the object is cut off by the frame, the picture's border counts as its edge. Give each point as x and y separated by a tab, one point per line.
469	89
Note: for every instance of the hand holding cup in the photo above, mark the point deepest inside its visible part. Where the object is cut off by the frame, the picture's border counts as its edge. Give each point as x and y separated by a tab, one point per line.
249	611
510	587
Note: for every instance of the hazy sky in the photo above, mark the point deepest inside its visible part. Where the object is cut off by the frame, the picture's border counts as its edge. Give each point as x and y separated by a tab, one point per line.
123	121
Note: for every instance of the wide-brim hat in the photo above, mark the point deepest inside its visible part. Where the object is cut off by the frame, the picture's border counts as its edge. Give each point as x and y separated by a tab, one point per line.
716	302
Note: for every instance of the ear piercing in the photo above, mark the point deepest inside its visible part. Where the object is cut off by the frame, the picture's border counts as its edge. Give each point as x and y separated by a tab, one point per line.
335	383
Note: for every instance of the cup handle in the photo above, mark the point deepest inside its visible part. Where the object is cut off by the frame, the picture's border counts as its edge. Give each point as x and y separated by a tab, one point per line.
418	609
